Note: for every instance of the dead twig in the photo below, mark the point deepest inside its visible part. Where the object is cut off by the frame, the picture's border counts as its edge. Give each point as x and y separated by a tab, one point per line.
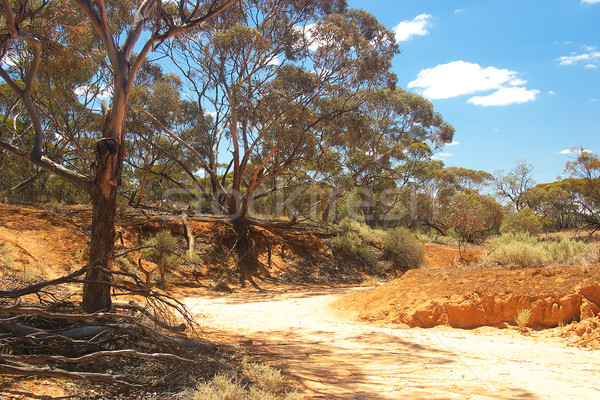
59	373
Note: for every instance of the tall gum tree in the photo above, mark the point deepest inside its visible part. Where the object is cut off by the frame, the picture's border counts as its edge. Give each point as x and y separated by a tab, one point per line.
154	20
277	73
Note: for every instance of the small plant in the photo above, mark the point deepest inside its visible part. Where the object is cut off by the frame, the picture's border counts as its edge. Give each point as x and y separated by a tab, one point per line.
522	318
162	252
31	276
7	258
125	265
58	207
220	387
264	377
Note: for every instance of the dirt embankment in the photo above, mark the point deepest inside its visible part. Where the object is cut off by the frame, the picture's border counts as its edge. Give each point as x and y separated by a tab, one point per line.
493	297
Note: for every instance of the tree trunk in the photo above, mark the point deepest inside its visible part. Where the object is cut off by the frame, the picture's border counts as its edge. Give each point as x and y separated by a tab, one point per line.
109	163
247	258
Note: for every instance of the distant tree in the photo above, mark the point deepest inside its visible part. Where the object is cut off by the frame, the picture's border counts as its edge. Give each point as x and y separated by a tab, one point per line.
584	186
512	185
523	220
472	216
553	203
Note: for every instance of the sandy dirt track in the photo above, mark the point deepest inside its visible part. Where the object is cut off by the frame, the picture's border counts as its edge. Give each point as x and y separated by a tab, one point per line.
334	357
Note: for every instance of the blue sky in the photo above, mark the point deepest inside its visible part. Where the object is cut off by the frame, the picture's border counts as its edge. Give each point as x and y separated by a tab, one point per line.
517	79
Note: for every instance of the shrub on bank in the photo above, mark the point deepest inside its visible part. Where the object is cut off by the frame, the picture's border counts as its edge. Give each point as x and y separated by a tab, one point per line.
524	250
403	249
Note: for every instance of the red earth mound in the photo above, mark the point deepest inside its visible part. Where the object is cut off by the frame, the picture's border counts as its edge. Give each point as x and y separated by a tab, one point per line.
488	297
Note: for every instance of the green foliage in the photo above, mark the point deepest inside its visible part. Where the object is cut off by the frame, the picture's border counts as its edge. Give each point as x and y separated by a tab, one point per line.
553	202
353	242
522	221
584	187
162	242
403	248
125	265
523	250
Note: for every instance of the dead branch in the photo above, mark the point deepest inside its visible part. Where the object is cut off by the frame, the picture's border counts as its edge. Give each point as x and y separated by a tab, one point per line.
145	271
126	352
133	305
59	373
188	233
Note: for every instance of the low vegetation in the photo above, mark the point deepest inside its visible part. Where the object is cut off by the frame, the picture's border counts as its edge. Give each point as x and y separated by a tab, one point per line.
259	382
523	250
522	318
162	250
403	249
380	251
353	243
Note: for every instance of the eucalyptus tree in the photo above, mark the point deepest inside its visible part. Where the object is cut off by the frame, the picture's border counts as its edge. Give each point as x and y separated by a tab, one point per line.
117	26
515	183
387	149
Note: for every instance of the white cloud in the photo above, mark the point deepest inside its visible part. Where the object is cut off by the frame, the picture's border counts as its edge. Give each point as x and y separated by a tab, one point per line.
405	30
551	92
440	156
505	96
460	77
590	1
595	100
102	92
453	143
591	57
308	32
591	66
208	113
460	10
274	61
576	150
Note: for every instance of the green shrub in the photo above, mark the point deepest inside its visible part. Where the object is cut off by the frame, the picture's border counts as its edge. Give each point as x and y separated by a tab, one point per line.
353	242
162	242
522	221
403	248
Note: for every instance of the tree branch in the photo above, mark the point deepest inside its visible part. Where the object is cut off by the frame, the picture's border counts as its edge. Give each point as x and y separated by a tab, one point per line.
81	181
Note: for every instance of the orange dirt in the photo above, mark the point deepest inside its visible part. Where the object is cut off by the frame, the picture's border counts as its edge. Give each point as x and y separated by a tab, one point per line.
437	255
42	243
468	299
